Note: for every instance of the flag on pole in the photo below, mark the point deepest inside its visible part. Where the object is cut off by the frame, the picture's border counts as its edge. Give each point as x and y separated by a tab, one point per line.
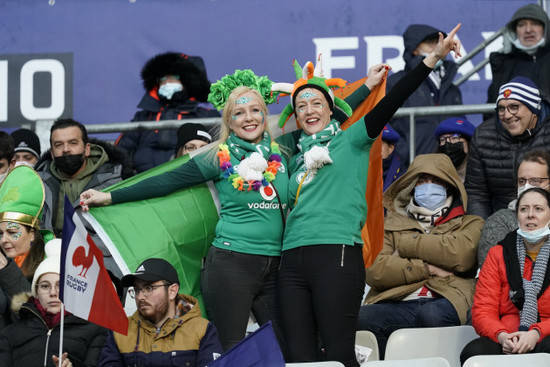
85	286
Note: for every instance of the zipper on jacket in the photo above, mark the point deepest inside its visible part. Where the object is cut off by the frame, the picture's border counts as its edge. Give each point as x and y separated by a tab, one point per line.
342	261
47	344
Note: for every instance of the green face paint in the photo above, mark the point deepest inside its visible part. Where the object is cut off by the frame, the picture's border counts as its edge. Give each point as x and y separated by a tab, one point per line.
307	95
243	100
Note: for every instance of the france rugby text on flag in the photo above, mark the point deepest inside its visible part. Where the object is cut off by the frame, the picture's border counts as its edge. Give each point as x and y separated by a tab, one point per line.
86	289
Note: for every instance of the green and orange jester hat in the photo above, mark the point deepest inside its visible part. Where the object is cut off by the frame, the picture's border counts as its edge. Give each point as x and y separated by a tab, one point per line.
311	77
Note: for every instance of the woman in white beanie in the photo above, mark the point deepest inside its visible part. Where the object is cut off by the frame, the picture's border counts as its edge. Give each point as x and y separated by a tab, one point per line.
34	339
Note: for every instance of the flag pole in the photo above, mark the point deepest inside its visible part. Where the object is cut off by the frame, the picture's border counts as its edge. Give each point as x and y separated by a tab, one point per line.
61	324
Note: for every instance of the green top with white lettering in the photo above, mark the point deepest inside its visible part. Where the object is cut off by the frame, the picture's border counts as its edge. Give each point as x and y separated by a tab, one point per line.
250	221
331	207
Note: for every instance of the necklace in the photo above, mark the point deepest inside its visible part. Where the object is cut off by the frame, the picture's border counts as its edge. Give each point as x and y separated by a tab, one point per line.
237	181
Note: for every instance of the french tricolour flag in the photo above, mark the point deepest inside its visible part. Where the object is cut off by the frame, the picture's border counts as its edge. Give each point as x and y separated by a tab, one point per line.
86	289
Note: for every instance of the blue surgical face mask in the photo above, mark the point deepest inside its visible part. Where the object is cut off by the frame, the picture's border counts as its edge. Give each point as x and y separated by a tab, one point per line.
167	90
430	195
437	64
535	236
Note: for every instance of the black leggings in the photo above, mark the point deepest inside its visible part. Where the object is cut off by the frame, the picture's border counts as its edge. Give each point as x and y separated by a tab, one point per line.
320	288
486	346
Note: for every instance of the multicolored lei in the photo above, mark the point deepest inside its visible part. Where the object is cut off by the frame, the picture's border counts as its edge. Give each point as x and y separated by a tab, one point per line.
237	181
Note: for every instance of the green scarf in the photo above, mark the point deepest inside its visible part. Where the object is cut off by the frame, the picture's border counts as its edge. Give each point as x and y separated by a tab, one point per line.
241	149
306	142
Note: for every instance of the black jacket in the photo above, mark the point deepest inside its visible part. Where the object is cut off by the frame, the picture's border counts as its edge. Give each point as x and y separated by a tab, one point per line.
449	94
493	160
150	148
28	341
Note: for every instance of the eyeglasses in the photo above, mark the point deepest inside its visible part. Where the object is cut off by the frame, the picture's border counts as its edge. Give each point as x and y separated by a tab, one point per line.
46	287
146	291
535	181
512	108
451	138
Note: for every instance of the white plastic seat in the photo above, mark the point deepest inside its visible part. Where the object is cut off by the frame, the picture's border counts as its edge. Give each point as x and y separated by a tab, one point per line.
445	342
418	362
367	339
510	360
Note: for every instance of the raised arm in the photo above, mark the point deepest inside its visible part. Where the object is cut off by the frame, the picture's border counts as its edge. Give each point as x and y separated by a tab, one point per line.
384	110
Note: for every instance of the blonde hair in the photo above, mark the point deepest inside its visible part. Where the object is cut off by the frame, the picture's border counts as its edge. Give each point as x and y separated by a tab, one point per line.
230	105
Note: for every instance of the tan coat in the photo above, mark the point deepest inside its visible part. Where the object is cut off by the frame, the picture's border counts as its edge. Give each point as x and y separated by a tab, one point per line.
401	266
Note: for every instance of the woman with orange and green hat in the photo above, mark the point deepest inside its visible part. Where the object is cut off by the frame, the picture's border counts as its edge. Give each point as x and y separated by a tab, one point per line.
321	277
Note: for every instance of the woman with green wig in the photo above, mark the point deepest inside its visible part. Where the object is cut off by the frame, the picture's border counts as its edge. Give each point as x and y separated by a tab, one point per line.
250	174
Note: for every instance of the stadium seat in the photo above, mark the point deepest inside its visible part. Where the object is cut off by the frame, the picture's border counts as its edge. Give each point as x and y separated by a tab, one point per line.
510	360
418	362
367	339
445	342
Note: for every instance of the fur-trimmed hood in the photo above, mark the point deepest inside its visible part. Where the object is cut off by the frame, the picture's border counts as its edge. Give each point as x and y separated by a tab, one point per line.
116	156
190	69
18	300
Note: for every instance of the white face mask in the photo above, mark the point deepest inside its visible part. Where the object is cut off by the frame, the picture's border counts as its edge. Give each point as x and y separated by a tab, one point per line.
167	90
3	176
24	163
527	186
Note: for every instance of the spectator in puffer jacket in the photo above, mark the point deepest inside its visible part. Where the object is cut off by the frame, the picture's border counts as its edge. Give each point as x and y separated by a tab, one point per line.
500	143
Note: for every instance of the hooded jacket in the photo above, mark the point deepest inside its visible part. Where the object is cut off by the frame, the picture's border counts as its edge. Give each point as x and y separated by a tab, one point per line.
188	340
493	158
29	341
515	62
449	94
105	166
401	267
150	148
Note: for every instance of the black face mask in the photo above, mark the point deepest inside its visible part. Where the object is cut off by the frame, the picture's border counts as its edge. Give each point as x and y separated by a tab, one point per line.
69	164
455	151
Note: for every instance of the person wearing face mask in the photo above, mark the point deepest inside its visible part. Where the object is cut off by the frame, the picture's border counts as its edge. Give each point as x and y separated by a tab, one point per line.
436	90
424	275
75	163
453	137
175	84
526	52
533	171
27	147
6	155
512	299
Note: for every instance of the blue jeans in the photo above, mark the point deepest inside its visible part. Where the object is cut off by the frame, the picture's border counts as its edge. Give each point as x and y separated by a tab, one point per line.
235	284
385	317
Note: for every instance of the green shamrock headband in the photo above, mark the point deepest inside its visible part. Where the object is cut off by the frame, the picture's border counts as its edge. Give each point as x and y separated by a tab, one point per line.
220	91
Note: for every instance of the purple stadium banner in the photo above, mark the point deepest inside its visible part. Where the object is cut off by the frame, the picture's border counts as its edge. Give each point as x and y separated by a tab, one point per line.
83	58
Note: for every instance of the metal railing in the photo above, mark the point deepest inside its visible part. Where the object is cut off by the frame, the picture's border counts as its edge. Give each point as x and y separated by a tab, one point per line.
42	127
